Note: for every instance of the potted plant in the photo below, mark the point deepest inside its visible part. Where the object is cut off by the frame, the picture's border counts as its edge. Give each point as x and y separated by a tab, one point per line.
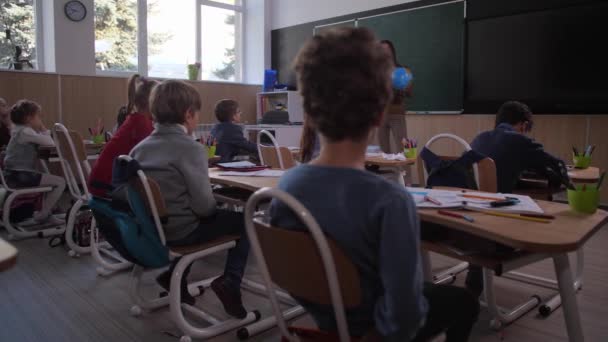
194	71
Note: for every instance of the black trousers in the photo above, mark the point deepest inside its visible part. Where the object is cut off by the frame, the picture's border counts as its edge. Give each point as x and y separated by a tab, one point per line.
452	310
224	222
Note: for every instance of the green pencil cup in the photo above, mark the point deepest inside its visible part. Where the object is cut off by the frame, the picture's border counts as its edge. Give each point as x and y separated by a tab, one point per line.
584	201
98	139
211	151
410	153
581	162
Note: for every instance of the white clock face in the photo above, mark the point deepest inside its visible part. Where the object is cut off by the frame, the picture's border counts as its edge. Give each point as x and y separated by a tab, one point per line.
75	10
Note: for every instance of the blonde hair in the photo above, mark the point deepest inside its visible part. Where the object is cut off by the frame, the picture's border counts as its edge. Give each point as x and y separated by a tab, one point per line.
171	100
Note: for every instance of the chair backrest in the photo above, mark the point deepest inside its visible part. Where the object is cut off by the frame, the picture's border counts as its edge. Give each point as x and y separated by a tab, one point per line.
73	159
149	190
484	170
275	156
324	275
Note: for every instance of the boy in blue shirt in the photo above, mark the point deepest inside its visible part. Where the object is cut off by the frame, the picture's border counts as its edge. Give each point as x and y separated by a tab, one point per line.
344	78
228	133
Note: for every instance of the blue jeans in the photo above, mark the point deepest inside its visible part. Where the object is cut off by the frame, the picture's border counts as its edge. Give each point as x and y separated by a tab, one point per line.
223	222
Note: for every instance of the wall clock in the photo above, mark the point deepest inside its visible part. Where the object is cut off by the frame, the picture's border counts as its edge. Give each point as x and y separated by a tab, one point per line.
75	10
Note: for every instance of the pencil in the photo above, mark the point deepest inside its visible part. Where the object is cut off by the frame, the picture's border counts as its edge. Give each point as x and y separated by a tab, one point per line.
516	216
483	197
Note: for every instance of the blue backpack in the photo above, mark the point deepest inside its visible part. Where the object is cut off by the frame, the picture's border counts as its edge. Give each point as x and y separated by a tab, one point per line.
129	228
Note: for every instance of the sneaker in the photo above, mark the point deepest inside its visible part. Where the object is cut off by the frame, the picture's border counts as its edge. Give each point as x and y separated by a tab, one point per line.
230	298
49	221
164	280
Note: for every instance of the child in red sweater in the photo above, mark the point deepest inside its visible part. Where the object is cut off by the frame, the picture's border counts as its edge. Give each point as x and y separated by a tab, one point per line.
136	127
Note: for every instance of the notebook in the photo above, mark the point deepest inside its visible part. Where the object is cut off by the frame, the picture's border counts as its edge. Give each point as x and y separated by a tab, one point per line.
243	166
452	199
260	173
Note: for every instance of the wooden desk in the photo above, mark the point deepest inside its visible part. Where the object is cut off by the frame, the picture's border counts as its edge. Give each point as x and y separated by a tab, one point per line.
8	255
381	162
567	233
244	182
371	160
588	175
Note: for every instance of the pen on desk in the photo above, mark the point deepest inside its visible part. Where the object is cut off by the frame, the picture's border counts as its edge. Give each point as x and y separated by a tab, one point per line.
432	200
457	215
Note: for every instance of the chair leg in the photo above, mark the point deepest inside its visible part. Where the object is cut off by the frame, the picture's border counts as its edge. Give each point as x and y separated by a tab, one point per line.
75	249
177	307
17	233
501	316
107	265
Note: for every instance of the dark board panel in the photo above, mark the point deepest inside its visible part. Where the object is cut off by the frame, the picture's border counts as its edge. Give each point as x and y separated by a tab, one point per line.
554	60
479	9
431	42
286	42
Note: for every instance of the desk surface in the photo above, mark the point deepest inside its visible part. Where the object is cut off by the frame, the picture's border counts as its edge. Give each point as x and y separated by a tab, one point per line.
8	255
244	182
566	233
88	146
590	174
369	160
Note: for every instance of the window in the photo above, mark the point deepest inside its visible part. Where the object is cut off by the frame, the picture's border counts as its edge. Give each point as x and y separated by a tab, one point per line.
171	37
173	34
220	41
116	35
18	36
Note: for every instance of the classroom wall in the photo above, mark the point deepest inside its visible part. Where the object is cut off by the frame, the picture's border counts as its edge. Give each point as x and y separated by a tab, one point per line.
293	12
69	47
77	101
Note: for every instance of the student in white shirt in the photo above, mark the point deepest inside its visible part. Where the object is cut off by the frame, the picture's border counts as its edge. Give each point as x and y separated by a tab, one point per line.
21	160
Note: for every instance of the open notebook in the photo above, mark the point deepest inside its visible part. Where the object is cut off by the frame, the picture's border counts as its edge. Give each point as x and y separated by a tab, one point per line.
451	199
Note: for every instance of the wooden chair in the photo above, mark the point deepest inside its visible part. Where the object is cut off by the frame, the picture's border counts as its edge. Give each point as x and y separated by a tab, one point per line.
336	283
484	170
275	156
150	192
76	169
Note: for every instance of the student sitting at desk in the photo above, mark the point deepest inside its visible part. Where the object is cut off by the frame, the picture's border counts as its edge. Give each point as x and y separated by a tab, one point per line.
21	158
510	148
184	182
513	153
344	78
5	123
229	134
137	126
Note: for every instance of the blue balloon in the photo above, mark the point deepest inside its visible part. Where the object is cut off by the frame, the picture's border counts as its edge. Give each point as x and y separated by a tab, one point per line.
401	78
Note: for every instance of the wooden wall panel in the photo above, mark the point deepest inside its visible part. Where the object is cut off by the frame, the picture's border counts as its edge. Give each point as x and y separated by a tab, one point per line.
39	87
211	92
87	98
558	133
598	136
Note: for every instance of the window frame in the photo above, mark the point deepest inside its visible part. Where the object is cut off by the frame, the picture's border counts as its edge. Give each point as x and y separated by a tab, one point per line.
142	39
38	36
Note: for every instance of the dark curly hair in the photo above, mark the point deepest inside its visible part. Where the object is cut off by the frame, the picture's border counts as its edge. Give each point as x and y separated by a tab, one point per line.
344	78
22	110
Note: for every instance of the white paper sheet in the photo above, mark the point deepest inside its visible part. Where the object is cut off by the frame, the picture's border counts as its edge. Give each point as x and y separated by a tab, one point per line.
238	165
454	199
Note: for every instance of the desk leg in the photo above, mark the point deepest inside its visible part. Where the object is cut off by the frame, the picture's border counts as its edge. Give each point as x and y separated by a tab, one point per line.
568	295
427	270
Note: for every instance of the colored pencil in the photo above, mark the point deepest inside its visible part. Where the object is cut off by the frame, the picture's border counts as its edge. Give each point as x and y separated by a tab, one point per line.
457	215
541	216
517	216
432	200
601	180
482	197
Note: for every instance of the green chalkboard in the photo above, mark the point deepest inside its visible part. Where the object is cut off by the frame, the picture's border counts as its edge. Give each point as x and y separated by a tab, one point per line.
431	42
